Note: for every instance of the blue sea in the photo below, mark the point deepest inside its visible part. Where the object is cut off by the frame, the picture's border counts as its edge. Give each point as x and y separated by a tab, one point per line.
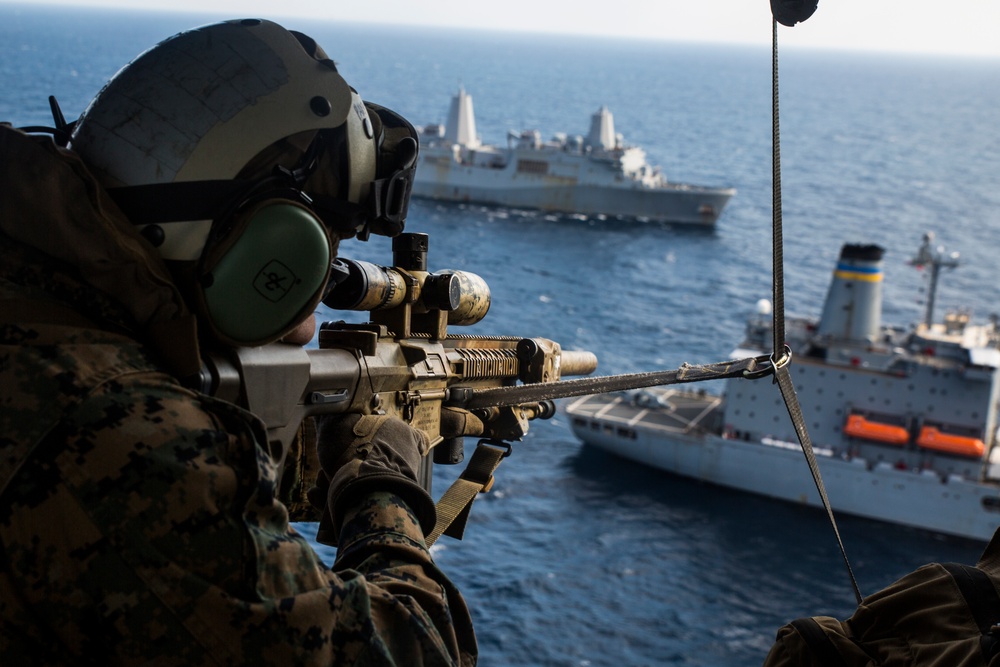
575	557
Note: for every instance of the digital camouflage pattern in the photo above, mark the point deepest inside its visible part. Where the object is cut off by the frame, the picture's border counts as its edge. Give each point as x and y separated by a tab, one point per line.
139	523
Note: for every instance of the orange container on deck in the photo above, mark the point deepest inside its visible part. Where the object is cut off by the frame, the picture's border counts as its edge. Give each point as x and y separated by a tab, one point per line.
933	438
859	427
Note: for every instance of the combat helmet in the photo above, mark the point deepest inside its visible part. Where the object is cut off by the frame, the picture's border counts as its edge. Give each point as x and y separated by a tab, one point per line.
243	156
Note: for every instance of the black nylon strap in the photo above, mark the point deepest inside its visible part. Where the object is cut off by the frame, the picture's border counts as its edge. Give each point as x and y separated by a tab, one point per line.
777	239
979	592
822	647
782	376
750	367
981	595
795	412
158	203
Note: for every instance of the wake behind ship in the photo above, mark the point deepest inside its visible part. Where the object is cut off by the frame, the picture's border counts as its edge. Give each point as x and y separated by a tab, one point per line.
904	421
596	175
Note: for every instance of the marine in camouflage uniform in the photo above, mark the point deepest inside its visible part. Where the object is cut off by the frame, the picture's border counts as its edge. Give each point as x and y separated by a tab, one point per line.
139	523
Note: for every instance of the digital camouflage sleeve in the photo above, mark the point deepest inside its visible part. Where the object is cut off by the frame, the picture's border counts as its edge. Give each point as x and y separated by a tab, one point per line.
139	524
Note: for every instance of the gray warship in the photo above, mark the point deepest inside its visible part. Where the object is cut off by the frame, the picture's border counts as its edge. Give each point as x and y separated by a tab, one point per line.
595	175
903	420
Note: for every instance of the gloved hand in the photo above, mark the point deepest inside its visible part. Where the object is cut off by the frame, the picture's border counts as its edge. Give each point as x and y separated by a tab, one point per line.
362	454
456	423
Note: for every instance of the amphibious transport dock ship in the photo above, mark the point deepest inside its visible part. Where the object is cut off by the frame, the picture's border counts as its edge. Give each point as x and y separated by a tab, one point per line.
904	422
594	175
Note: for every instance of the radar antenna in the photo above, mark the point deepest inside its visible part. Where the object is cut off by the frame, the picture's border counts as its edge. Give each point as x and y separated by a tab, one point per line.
934	257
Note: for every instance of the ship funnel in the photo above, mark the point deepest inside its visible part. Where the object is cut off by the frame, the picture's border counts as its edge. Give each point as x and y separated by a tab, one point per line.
602	130
461	126
853	308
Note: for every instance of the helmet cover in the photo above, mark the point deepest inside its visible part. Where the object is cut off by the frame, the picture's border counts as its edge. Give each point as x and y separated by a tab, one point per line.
192	131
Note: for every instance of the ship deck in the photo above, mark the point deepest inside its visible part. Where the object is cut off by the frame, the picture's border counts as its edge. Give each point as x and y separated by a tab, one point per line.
670	411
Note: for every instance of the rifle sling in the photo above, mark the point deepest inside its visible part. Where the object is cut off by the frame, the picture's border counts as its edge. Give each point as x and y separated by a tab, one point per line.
453	507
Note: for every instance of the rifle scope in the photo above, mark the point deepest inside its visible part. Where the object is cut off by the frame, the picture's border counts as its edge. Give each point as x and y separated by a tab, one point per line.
362	285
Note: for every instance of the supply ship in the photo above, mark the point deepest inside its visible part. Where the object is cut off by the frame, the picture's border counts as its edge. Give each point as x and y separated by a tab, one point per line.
595	175
903	420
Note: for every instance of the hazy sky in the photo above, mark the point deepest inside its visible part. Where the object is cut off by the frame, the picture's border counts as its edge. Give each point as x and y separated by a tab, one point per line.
968	27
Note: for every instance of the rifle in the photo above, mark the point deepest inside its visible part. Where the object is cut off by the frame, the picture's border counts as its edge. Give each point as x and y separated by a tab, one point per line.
405	363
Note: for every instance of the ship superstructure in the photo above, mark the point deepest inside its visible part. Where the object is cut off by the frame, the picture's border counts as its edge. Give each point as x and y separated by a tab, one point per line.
904	421
593	175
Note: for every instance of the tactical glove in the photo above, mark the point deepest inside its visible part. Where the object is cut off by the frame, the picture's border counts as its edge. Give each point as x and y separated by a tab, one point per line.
456	423
360	455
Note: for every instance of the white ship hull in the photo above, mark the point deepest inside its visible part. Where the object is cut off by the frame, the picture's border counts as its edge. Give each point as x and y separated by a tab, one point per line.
951	506
904	421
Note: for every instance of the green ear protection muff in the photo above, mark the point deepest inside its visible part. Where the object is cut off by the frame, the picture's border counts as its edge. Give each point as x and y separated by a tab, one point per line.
183	152
265	262
267	274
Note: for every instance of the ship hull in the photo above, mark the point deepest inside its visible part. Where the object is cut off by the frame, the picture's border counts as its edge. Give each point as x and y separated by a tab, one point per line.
953	505
905	421
570	188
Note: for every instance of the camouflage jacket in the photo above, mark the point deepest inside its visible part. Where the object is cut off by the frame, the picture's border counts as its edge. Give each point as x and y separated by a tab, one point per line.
139	523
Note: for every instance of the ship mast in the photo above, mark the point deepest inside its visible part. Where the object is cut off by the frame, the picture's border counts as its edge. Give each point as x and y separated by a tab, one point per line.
936	260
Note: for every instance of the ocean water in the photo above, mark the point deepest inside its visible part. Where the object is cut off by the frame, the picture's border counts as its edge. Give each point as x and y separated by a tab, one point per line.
577	558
